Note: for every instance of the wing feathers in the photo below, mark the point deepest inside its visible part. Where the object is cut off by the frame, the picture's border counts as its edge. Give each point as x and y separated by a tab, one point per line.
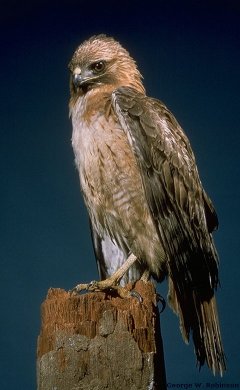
183	215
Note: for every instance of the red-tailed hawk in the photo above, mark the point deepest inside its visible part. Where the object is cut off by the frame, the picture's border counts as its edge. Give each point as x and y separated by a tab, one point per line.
148	210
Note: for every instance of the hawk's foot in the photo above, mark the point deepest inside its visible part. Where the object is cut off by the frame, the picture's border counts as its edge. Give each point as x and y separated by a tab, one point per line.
107	285
163	302
101	285
112	283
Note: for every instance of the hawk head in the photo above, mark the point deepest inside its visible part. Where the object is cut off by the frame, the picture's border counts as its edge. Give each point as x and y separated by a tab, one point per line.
99	62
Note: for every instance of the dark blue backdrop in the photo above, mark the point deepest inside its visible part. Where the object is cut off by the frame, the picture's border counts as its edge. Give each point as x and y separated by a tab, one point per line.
189	56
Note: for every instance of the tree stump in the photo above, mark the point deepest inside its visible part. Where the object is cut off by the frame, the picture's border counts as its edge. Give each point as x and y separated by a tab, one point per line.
96	341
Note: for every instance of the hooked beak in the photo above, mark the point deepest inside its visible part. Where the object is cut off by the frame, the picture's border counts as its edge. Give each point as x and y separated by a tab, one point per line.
77	77
78	80
82	78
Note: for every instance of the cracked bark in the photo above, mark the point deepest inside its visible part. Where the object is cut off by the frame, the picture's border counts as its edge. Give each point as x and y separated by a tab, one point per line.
96	341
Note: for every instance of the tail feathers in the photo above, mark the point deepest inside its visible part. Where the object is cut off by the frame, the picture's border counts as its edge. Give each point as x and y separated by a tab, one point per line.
212	337
200	319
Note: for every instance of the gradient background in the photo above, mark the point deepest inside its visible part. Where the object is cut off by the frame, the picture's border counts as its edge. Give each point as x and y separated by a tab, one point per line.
189	56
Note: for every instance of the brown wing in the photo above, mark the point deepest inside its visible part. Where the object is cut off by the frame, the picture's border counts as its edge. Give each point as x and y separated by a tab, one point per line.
172	186
182	212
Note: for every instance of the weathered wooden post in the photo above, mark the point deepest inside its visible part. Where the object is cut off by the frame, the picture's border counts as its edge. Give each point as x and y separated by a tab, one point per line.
96	341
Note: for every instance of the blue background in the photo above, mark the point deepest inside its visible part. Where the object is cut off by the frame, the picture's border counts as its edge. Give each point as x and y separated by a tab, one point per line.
189	56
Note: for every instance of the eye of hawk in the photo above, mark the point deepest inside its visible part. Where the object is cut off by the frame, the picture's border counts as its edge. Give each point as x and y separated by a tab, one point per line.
98	67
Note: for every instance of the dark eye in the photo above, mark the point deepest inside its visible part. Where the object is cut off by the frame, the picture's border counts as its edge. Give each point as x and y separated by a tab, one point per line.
98	67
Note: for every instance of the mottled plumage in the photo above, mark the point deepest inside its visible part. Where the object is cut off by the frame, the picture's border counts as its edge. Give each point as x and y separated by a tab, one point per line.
142	189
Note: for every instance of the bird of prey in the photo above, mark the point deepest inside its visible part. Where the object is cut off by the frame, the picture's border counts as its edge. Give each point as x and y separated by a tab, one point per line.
149	214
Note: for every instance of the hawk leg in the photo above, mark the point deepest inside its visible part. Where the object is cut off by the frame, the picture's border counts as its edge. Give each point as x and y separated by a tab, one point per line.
145	276
111	283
